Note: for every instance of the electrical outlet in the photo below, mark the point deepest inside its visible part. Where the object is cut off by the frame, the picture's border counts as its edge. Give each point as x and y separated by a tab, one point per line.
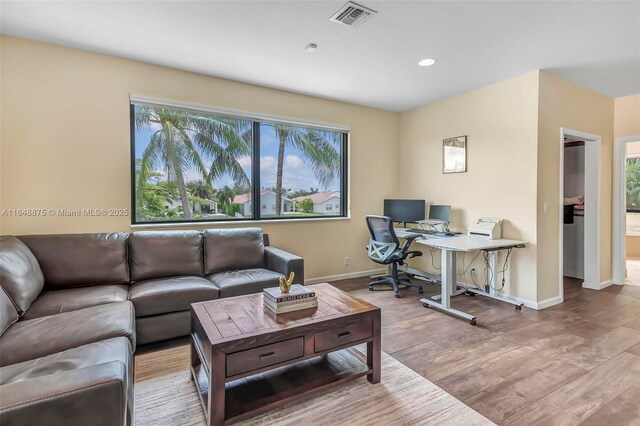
346	261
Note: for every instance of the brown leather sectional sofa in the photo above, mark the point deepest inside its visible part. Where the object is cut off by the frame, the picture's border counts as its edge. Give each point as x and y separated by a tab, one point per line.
73	307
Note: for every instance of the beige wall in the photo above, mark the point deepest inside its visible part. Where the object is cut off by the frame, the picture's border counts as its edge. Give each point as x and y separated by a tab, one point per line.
627	116
65	144
501	124
563	104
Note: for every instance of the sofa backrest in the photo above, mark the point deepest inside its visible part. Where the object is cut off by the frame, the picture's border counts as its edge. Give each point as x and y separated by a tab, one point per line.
20	274
8	312
158	254
226	249
78	260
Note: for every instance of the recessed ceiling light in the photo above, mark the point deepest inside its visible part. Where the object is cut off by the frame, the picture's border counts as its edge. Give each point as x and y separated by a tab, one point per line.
427	62
311	47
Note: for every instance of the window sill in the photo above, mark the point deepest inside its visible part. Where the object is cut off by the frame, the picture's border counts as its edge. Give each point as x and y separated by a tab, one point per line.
235	222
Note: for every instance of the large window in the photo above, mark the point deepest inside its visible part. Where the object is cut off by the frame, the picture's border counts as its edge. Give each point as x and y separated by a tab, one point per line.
191	166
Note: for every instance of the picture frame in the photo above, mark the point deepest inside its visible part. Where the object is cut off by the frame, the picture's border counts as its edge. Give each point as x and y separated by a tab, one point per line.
454	155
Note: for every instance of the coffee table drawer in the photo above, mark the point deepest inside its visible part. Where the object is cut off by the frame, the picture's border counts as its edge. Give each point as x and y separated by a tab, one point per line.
254	359
325	340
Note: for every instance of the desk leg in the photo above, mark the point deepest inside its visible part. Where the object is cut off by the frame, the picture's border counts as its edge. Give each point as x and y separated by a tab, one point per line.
448	280
448	277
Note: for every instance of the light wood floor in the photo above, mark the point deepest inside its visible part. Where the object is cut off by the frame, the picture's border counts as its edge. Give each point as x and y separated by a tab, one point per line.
633	270
578	362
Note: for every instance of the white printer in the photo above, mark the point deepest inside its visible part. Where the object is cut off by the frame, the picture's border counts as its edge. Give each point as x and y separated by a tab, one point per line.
489	228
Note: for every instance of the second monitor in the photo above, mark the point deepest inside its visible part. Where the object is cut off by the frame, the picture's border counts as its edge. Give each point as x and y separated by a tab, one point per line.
440	213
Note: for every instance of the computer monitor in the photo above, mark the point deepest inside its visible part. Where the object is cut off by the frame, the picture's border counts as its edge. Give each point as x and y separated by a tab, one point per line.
404	210
440	212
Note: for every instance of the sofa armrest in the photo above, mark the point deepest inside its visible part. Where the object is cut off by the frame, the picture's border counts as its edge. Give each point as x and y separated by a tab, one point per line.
94	395
284	263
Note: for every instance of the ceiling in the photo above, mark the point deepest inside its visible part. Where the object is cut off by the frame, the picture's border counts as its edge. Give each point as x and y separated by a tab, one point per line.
594	44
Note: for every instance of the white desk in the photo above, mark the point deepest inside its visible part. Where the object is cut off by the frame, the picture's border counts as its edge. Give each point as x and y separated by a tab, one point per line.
462	243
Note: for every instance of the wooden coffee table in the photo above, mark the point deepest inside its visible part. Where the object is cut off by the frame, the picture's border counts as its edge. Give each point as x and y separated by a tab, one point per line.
246	360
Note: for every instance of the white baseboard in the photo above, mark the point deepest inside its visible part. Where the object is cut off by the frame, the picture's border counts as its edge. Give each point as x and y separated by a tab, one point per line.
527	303
547	303
599	286
606	284
346	276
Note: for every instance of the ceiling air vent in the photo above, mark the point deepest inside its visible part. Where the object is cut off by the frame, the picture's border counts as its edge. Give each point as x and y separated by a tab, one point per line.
352	14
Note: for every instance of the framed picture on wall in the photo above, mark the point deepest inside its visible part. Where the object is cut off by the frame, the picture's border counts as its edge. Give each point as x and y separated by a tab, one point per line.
454	155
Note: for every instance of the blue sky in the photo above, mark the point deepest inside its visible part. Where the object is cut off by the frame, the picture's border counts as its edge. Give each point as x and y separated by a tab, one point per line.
296	174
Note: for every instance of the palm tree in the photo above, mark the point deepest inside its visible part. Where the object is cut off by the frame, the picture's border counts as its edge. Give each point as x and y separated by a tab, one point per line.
175	142
225	197
318	147
201	189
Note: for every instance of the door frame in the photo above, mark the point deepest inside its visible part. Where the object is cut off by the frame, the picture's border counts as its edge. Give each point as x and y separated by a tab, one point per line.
592	184
619	246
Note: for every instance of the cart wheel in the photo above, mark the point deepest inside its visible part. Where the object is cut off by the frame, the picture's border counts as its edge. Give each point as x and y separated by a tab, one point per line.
397	295
370	288
518	307
469	293
472	322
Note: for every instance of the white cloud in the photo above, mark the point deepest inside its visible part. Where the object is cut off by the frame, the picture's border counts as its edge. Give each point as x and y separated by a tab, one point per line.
293	162
245	162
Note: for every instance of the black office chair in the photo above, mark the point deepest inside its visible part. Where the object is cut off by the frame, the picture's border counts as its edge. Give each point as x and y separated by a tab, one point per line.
384	248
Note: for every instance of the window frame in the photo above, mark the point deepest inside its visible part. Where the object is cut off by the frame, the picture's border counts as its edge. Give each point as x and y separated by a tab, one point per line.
256	120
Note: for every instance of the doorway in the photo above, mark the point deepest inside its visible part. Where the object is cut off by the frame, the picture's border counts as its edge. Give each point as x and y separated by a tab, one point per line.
626	211
579	208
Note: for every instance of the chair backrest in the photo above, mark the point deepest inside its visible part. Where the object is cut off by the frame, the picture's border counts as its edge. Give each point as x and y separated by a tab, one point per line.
381	229
383	242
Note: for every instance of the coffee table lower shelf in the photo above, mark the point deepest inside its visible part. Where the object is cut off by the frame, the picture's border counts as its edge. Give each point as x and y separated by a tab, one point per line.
261	392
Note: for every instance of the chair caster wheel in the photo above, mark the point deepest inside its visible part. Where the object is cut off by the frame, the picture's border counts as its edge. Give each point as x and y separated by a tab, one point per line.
472	322
518	307
397	296
425	305
420	291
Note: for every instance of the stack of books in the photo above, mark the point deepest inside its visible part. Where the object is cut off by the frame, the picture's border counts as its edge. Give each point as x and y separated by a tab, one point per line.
298	298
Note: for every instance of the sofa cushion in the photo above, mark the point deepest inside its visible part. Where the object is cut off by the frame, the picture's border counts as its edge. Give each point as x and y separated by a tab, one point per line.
157	328
80	260
20	274
165	254
228	249
44	336
245	281
166	295
88	385
8	312
72	299
115	349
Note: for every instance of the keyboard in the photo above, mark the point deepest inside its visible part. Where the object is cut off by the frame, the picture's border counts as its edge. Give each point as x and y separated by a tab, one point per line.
431	232
422	231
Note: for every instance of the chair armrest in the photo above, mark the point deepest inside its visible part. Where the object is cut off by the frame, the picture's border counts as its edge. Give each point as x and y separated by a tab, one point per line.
284	263
94	395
